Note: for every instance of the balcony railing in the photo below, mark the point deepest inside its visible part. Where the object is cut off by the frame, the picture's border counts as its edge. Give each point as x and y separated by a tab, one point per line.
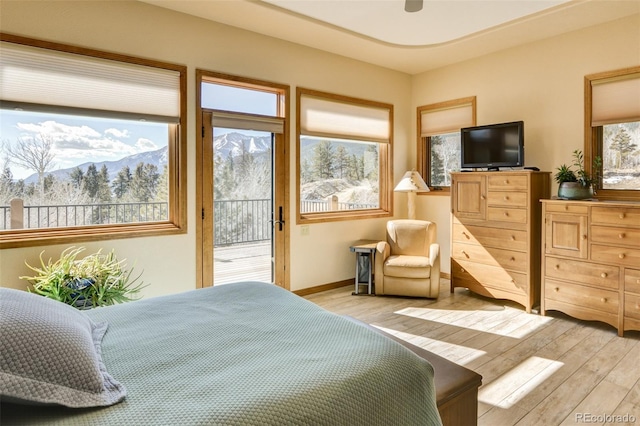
236	221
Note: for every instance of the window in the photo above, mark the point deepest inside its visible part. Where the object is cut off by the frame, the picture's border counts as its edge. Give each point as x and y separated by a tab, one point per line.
612	122
343	157
91	145
439	139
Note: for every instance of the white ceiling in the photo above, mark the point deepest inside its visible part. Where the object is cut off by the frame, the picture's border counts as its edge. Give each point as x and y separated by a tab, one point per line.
382	33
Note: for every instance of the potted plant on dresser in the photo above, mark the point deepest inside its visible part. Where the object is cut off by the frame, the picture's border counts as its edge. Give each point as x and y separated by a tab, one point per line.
578	184
94	280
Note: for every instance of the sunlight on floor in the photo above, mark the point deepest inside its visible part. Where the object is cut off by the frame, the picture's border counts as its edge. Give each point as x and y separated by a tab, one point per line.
446	350
514	385
503	322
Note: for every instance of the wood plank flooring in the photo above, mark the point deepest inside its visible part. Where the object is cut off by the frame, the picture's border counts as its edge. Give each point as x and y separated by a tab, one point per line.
552	370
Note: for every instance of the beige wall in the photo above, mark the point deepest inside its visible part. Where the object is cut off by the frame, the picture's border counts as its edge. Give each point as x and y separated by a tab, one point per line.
147	31
540	83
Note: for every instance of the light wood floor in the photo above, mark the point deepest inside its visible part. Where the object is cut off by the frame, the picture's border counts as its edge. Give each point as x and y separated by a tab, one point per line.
552	370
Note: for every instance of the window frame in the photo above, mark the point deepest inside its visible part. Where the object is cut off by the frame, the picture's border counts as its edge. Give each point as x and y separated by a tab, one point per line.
385	157
177	164
593	143
424	142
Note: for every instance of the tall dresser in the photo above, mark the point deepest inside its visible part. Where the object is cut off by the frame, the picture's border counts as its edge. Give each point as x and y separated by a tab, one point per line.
495	233
591	261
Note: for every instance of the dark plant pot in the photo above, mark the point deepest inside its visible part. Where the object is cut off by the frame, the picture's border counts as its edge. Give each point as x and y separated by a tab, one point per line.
82	303
574	191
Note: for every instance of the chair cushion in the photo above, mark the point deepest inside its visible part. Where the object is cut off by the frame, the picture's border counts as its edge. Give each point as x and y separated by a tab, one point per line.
407	266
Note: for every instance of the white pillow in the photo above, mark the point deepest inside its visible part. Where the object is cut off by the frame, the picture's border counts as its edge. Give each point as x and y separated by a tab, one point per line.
50	354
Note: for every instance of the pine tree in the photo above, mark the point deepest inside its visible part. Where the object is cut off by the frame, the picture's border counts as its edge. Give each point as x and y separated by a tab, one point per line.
354	169
306	174
151	178
437	164
76	176
139	188
323	160
91	184
48	182
104	192
341	162
162	192
371	162
121	183
622	143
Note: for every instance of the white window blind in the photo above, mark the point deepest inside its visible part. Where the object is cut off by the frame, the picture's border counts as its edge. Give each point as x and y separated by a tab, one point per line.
34	78
247	122
322	117
446	120
615	100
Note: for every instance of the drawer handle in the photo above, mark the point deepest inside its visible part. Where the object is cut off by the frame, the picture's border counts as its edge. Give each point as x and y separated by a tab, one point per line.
621	216
506	214
584	237
513	238
506	198
462	270
603	300
482	197
465	253
557	267
513	259
465	234
603	275
506	182
566	208
621	235
621	256
557	289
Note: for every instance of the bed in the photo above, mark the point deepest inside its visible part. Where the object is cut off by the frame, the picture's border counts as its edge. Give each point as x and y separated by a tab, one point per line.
240	354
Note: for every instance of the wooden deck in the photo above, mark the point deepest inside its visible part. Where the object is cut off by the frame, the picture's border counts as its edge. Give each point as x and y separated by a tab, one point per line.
242	262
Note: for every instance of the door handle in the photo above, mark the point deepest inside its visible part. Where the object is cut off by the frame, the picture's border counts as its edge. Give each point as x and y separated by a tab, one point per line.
280	220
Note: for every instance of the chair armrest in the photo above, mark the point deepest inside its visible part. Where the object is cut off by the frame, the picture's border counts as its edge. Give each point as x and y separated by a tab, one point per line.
383	250
434	253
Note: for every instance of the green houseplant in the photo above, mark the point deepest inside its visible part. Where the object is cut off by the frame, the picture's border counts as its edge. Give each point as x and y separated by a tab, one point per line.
578	184
94	280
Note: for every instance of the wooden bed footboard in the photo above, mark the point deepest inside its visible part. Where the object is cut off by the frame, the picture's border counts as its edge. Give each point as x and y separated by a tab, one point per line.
456	386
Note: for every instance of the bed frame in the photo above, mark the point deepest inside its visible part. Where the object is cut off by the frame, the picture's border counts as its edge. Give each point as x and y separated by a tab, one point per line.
456	386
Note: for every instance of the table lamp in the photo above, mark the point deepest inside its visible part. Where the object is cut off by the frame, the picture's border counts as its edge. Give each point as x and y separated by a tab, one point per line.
411	183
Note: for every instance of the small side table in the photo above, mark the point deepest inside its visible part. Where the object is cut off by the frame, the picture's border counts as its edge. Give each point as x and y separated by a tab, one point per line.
365	251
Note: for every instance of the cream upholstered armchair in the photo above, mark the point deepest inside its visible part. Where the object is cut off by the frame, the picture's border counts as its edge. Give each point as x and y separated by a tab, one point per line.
408	263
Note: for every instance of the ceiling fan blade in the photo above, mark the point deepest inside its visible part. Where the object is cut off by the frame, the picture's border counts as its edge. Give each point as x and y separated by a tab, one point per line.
413	5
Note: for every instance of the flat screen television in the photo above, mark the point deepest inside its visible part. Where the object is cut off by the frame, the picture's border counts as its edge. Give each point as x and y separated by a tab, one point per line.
493	146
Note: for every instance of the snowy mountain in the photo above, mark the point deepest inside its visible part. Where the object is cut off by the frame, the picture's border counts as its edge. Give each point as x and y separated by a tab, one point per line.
158	158
236	143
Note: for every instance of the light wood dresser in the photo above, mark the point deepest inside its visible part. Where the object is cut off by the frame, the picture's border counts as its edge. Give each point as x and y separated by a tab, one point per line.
495	233
591	261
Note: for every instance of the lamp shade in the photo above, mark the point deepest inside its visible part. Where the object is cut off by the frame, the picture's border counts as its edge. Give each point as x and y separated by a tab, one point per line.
411	182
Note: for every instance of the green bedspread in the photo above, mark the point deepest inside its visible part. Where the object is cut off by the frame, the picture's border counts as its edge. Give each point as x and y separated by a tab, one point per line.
249	354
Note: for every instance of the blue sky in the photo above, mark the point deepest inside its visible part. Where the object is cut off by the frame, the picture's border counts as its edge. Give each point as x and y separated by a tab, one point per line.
77	139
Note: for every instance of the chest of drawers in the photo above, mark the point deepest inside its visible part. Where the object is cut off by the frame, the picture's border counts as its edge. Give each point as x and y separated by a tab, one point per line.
591	261
495	228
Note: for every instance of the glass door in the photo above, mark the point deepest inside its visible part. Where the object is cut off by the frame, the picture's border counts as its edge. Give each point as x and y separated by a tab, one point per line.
243	213
241	180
